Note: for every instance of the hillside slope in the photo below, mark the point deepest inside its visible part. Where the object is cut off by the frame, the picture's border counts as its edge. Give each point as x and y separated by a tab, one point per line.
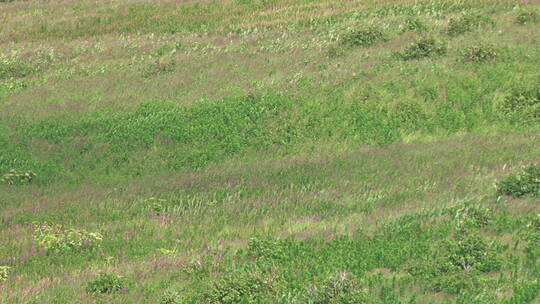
270	151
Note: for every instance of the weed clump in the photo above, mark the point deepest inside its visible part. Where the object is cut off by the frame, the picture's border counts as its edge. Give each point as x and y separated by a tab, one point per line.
57	239
527	182
342	287
522	105
170	297
363	37
472	216
243	286
467	23
414	25
14	177
528	17
159	66
106	283
479	53
426	47
4	273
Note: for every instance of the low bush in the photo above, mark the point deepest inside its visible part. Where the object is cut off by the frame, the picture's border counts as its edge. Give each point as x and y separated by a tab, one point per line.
472	216
479	53
56	238
467	23
106	283
170	297
340	288
240	286
469	250
522	105
526	182
4	273
363	37
425	47
15	177
528	17
414	25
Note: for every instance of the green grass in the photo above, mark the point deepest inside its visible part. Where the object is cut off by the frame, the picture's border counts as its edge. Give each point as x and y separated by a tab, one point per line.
269	152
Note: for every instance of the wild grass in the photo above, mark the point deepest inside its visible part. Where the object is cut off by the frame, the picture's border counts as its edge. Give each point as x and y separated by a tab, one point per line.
269	152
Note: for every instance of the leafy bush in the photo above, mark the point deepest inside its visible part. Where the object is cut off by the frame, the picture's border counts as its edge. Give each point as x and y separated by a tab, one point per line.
363	37
414	25
14	67
155	205
55	238
528	17
170	297
106	283
408	114
241	286
340	288
425	47
472	216
158	66
527	182
467	23
13	177
479	53
469	250
523	105
4	273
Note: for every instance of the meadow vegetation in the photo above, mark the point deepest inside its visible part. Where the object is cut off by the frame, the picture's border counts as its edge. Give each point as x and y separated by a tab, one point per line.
270	151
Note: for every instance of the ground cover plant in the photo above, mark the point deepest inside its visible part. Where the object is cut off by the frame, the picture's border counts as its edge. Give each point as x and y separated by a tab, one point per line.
277	151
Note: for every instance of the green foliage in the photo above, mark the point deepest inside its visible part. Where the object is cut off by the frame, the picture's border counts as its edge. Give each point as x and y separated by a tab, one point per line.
14	67
472	216
159	66
409	115
170	297
414	25
15	177
363	37
425	47
57	239
526	182
106	283
341	288
4	273
155	205
521	105
479	53
469	250
241	286
528	17
467	23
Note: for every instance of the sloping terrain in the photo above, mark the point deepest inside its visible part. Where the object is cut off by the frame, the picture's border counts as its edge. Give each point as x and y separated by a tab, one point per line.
270	151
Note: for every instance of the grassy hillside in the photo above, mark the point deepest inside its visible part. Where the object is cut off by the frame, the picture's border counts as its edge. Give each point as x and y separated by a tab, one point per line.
270	151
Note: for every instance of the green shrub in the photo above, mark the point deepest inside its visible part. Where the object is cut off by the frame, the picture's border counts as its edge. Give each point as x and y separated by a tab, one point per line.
240	286
425	47
159	66
522	105
340	288
170	297
528	17
527	182
414	25
469	250
14	67
408	115
14	177
106	283
479	53
467	23
55	238
472	216
155	205
363	37
4	273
